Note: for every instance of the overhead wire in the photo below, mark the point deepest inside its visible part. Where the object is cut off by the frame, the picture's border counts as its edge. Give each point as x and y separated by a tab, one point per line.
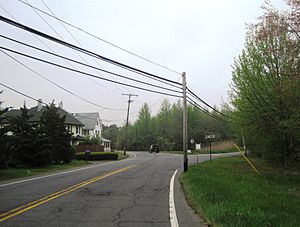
40	40
57	85
87	74
90	66
195	104
21	93
205	103
141	72
76	40
87	52
98	38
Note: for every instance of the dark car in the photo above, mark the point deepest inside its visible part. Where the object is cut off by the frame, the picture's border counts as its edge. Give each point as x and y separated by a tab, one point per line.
154	148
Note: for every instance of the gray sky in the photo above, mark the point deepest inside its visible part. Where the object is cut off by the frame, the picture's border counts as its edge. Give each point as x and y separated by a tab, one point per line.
201	38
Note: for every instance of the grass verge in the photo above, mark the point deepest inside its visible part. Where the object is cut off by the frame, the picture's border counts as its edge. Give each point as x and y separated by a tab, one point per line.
227	192
12	173
205	151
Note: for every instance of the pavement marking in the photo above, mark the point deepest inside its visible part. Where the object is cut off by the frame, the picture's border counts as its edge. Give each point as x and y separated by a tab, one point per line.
65	172
31	205
172	210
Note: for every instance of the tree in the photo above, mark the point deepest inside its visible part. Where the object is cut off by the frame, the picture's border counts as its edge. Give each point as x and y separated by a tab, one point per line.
56	137
4	139
111	132
265	89
25	146
143	128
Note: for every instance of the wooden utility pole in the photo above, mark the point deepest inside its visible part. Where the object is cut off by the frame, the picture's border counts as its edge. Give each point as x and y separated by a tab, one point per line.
126	127
184	124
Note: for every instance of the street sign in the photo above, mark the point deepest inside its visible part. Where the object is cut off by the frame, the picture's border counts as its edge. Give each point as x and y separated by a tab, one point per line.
192	141
210	136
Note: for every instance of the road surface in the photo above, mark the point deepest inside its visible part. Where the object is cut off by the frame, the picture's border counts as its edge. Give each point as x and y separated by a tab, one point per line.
132	192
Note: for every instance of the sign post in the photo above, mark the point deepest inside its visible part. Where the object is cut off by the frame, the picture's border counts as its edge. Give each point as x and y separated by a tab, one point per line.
87	154
210	138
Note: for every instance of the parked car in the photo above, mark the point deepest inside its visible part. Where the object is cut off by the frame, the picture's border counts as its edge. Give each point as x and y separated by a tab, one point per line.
154	148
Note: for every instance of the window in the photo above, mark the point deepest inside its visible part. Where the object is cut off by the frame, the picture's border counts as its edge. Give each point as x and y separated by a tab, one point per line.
77	129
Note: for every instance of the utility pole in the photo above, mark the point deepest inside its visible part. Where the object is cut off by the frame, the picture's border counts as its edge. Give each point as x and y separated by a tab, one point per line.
126	127
184	124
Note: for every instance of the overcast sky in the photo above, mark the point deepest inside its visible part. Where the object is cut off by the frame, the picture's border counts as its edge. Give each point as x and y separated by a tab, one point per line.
199	37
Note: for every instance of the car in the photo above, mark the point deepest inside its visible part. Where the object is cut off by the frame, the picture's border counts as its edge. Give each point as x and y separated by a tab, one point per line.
154	148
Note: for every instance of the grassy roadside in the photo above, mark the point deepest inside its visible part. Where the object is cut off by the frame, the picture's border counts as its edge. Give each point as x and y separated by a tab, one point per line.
205	151
227	192
12	173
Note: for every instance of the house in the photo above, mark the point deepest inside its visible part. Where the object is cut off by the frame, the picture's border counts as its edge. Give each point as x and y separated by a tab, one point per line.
92	122
93	127
72	124
106	143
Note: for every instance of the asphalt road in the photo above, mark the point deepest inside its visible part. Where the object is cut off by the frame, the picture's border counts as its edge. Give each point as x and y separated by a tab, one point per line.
132	192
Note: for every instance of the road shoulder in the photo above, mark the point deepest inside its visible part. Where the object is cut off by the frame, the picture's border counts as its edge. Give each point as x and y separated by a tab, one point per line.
185	214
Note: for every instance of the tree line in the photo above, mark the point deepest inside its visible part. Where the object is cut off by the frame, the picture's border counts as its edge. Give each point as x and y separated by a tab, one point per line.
165	128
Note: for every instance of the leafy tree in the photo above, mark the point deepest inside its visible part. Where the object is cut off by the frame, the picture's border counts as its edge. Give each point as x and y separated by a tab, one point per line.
143	128
111	132
57	137
265	88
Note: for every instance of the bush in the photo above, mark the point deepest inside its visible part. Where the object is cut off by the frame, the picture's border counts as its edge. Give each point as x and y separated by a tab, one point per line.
93	156
68	155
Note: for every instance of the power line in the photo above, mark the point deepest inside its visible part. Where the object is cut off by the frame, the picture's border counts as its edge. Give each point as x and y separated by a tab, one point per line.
61	87
105	41
90	66
40	40
87	74
192	102
21	93
108	60
205	103
53	29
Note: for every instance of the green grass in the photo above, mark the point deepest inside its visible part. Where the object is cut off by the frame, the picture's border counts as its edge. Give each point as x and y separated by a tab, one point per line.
11	173
121	155
227	192
205	151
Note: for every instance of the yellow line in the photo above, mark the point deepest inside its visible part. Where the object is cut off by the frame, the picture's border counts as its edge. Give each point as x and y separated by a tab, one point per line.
22	209
247	160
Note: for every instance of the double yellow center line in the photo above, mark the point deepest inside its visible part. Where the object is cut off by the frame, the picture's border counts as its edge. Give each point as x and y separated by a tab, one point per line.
22	209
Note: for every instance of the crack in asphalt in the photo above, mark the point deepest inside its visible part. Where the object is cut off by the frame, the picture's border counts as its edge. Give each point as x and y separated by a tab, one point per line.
135	197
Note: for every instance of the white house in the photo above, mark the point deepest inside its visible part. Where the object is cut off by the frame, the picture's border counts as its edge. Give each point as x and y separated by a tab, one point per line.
93	127
72	124
92	122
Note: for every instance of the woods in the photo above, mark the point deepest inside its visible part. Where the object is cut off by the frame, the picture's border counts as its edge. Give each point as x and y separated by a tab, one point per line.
165	128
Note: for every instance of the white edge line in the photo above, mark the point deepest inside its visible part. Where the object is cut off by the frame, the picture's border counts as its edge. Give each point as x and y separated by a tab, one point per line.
172	210
61	173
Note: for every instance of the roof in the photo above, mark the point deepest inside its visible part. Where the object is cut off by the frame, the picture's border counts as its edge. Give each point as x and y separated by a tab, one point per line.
36	115
88	119
105	140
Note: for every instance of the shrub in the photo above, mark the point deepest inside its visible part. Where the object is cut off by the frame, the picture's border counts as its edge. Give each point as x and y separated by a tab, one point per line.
68	155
